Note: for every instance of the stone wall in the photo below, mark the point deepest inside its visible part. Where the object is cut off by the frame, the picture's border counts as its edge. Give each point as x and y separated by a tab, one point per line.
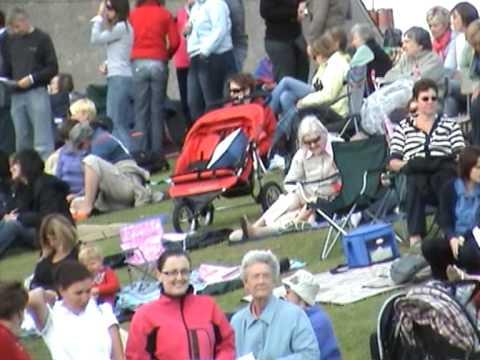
67	22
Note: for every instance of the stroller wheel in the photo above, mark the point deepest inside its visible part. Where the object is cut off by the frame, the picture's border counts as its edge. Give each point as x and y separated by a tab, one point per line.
269	193
184	218
207	215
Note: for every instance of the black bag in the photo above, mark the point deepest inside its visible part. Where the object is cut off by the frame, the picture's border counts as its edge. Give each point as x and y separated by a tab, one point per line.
199	240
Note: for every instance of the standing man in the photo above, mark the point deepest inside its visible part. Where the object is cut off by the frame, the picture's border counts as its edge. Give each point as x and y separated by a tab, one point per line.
321	15
30	60
239	34
284	41
7	143
270	328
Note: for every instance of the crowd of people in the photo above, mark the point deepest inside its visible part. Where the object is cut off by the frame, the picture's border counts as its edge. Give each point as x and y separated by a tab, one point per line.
70	163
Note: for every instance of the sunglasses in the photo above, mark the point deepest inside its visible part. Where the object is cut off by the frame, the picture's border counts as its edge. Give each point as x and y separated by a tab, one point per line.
236	91
312	142
428	98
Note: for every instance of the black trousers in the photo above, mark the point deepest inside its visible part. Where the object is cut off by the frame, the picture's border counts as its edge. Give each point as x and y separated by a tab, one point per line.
439	255
475	119
415	205
289	58
182	76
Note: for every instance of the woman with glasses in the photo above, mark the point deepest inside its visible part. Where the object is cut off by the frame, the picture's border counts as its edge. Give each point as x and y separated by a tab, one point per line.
180	324
424	147
111	28
314	166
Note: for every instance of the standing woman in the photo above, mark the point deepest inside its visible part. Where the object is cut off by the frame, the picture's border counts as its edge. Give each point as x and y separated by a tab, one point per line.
155	41
210	48
181	58
111	28
180	324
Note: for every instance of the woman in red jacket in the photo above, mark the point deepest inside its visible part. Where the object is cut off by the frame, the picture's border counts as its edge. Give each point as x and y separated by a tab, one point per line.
155	41
179	325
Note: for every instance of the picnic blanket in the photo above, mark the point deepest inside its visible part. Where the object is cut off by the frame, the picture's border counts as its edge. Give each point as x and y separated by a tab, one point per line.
352	285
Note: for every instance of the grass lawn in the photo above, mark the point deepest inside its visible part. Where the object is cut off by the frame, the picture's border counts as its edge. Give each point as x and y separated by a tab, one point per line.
353	324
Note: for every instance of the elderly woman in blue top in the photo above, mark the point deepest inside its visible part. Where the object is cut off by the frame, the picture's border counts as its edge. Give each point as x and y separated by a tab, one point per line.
458	215
270	328
209	44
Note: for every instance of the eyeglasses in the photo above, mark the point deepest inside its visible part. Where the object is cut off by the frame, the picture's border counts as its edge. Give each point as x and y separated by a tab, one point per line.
235	90
312	141
428	98
175	273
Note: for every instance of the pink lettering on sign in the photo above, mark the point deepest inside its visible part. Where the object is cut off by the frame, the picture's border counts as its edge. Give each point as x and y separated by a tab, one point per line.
144	238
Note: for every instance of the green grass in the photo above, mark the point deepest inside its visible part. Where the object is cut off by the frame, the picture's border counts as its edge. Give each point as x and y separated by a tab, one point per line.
353	323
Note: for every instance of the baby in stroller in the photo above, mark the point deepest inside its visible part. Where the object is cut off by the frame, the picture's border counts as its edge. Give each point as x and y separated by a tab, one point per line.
313	175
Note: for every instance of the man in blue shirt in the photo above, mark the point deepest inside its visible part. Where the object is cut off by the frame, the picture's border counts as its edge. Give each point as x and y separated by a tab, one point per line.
301	289
270	328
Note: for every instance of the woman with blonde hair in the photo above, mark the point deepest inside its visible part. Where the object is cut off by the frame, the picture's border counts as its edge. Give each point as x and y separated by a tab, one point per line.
58	243
313	175
443	39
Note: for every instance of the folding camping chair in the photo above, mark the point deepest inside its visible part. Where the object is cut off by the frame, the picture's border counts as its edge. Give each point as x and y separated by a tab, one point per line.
141	243
360	164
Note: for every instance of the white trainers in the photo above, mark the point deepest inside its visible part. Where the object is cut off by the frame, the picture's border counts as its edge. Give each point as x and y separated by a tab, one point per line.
277	162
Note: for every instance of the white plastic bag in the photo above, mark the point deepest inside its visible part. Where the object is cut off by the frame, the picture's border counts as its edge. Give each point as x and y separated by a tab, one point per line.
382	102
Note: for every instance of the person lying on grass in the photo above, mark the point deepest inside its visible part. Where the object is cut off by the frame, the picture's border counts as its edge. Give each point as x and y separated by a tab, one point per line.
313	166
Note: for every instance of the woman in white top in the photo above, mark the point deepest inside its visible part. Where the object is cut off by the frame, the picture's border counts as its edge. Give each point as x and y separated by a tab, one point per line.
111	28
313	166
75	327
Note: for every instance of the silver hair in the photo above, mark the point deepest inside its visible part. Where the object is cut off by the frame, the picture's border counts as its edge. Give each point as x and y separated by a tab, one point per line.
364	31
17	13
311	126
440	14
260	256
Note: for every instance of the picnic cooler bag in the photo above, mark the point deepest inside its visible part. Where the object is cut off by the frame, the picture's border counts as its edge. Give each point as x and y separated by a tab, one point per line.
370	244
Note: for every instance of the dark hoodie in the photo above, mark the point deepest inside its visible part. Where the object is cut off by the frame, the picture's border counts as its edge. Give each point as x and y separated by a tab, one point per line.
47	195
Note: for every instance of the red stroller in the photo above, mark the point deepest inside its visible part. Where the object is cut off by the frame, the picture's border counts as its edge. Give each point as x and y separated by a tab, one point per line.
198	179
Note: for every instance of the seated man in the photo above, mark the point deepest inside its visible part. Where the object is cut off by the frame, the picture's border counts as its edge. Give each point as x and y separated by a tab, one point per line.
270	328
241	88
113	180
301	289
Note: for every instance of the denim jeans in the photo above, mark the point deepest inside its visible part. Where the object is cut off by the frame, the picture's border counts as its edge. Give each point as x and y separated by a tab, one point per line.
206	81
150	79
120	107
287	93
32	119
289	58
13	233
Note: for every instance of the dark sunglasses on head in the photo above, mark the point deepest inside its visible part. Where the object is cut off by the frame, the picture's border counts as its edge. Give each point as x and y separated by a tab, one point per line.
428	98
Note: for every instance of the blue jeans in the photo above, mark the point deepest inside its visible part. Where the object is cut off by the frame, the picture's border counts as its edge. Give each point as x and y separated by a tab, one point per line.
150	79
120	107
206	81
13	233
287	93
32	119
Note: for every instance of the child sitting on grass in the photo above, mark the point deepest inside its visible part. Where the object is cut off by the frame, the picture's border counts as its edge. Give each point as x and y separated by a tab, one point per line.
106	284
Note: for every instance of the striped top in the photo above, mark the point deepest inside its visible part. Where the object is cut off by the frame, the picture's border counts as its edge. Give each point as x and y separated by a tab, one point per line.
408	141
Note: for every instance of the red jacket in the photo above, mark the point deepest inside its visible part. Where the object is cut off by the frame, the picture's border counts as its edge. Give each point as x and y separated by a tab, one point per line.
181	58
169	321
10	347
107	284
155	32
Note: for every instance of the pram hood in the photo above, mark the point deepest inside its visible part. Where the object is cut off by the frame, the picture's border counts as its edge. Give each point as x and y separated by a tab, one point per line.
211	128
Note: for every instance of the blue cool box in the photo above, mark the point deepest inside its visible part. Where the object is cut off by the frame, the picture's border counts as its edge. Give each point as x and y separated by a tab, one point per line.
370	244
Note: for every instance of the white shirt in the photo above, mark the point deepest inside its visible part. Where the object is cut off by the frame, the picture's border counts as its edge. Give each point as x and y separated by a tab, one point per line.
83	336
